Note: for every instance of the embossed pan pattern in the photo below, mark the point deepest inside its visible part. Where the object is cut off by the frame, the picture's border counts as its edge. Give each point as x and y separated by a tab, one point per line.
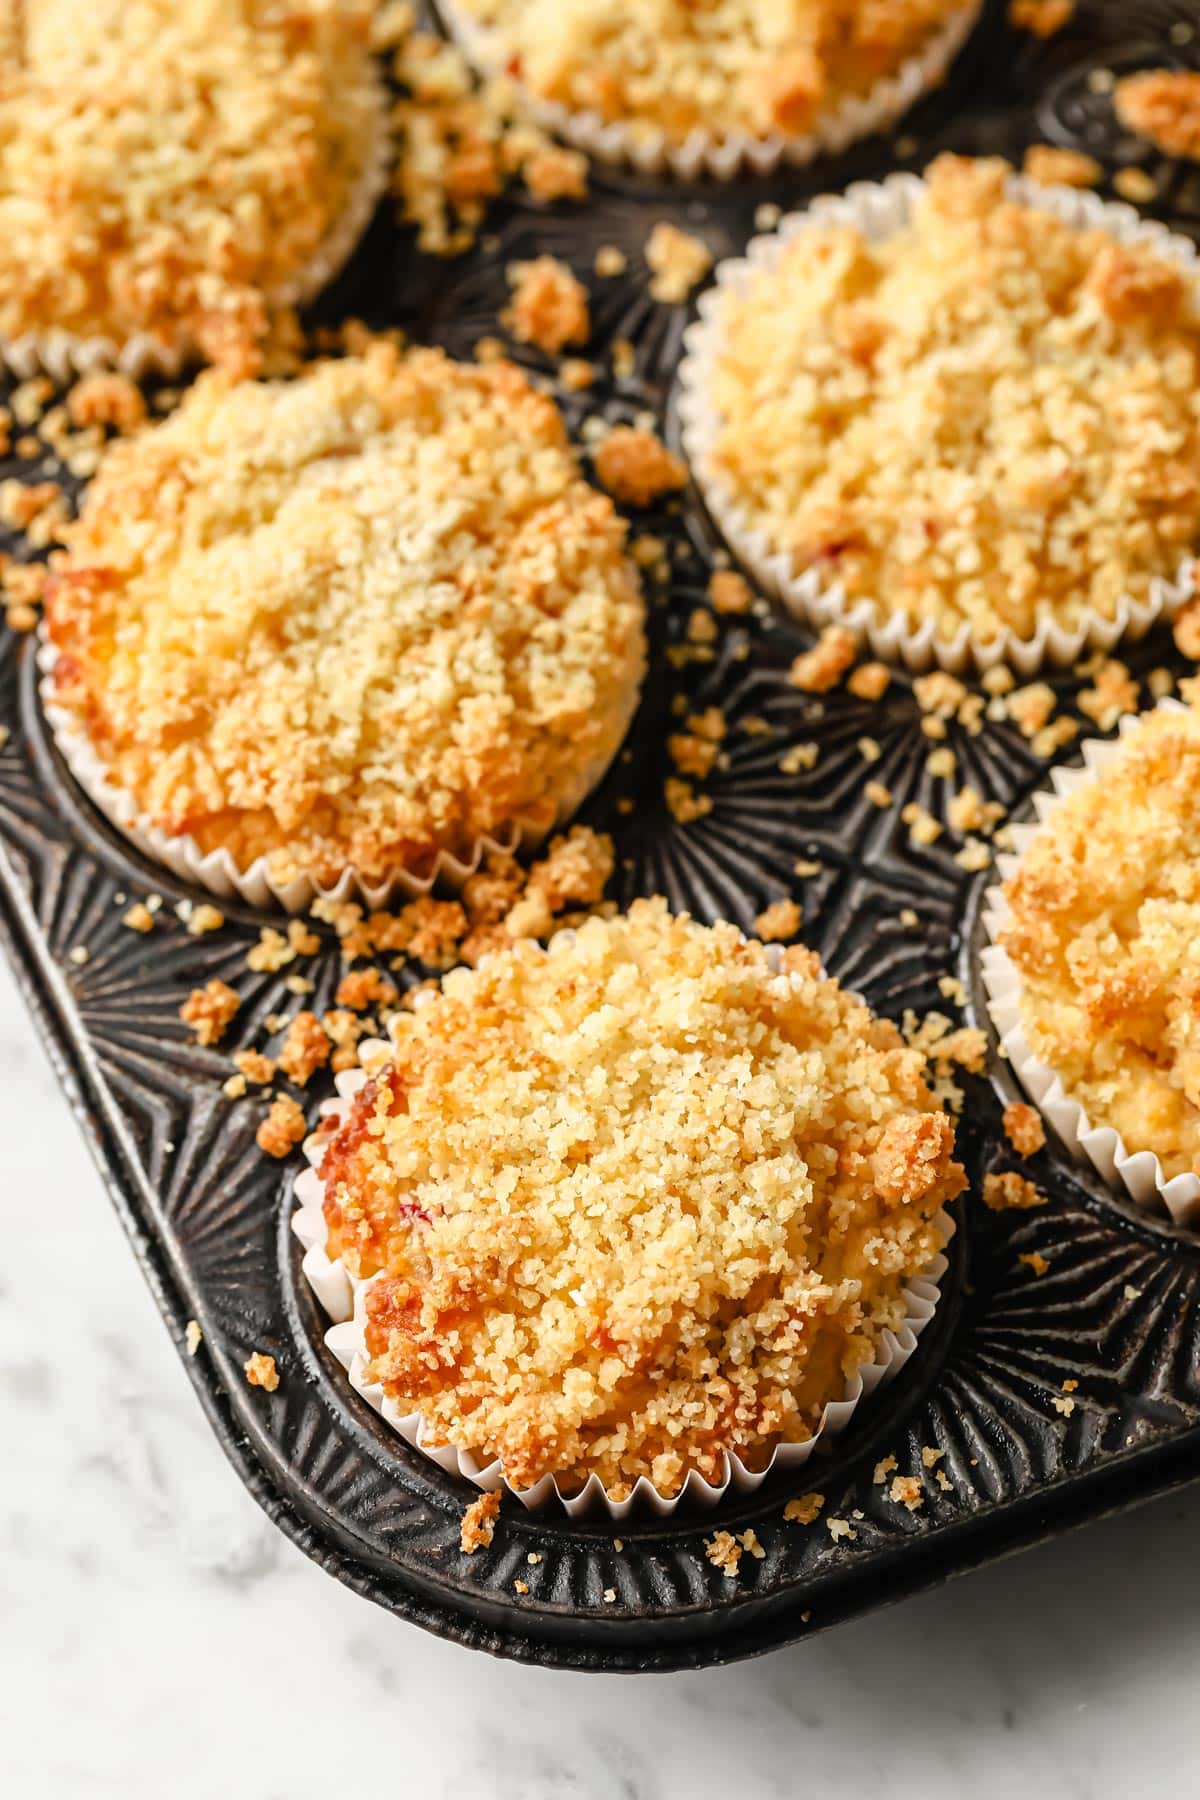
1117	1310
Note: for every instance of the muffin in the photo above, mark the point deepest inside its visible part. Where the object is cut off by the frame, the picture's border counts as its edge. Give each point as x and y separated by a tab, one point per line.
172	172
364	621
664	82
638	1206
1099	931
959	415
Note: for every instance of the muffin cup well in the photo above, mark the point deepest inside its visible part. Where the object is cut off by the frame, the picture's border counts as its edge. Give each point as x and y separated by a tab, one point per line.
649	151
65	355
1139	1172
343	1297
879	210
220	874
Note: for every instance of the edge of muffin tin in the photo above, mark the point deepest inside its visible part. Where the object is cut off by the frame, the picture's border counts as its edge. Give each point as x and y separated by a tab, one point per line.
383	1520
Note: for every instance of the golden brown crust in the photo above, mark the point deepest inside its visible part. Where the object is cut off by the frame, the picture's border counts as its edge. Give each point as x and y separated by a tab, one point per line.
985	419
635	1200
1105	934
360	617
736	66
167	166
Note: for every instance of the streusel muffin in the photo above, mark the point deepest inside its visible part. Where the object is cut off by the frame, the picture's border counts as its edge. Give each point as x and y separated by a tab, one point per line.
1104	933
669	71
357	620
635	1203
172	170
977	425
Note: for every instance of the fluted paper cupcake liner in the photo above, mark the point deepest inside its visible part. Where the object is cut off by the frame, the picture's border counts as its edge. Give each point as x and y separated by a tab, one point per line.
221	874
648	150
65	355
879	210
344	1296
1140	1172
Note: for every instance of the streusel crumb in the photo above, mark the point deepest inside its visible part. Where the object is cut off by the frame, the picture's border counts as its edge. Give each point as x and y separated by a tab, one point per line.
1023	1128
983	420
729	592
1054	167
305	1048
817	670
1164	106
208	1010
1041	17
282	1128
1010	1192
168	166
261	1372
548	307
355	618
635	1200
804	1510
1105	934
677	261
479	1523
674	66
636	467
779	921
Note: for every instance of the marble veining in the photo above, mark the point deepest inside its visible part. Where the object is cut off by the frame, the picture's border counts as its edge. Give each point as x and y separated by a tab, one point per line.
159	1636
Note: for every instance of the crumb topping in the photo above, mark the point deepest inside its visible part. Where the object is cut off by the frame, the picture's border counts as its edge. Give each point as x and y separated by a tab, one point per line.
1105	933
635	1200
209	1010
261	1372
1024	1129
167	165
636	467
479	1526
1055	167
679	67
1164	106
986	418
353	618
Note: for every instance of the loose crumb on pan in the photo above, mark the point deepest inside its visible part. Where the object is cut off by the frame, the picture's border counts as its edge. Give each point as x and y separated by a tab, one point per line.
1043	18
479	1524
1055	167
1162	105
1008	1192
1023	1128
676	67
779	921
804	1510
817	670
1105	920
724	1552
209	1010
677	261
548	306
193	1336
261	1372
636	467
283	1127
1035	1261
361	617
906	1490
167	167
729	592
731	1173
983	421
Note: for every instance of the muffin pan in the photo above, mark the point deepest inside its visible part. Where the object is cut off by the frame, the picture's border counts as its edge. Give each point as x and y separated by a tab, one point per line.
1116	1310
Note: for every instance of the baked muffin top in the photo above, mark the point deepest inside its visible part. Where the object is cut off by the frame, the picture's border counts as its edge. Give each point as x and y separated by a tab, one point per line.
675	66
635	1200
168	166
1105	933
353	618
984	418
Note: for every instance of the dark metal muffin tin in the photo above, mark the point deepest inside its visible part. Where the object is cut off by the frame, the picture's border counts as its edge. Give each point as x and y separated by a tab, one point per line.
208	1216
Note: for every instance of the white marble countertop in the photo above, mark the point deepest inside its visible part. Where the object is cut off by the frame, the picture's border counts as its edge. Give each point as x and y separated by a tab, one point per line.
158	1636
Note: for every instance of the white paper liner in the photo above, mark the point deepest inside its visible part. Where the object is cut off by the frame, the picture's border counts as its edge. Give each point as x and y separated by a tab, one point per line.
217	870
1140	1172
64	355
343	1297
649	151
879	210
